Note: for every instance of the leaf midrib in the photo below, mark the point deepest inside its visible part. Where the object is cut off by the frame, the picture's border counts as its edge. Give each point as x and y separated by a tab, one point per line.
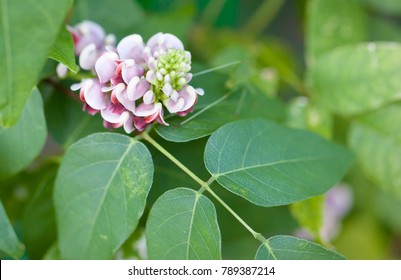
96	216
295	160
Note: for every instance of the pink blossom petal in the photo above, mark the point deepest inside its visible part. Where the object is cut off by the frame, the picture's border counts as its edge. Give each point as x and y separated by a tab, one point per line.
88	32
121	94
174	106
137	88
106	66
140	123
172	42
115	113
93	95
131	47
190	96
61	70
130	69
149	97
88	57
129	124
146	110
163	41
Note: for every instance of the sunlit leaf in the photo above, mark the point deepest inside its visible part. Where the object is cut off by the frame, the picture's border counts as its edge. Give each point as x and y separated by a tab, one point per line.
331	24
100	194
183	225
269	164
376	140
291	248
354	79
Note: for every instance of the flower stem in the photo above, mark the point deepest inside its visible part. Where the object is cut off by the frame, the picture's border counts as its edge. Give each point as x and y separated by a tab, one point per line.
204	185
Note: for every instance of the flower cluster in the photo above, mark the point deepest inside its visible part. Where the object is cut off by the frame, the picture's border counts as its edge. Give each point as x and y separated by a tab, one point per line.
135	81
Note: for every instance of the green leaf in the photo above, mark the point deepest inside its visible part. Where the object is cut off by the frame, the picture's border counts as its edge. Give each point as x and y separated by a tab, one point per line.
100	194
303	114
269	164
28	29
354	79
67	122
63	50
376	140
183	225
38	219
9	243
331	24
21	143
206	119
283	247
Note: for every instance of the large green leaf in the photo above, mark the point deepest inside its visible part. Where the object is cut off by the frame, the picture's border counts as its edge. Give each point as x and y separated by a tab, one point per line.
21	143
208	118
269	164
183	225
331	24
63	50
9	243
376	140
27	31
354	79
100	194
291	248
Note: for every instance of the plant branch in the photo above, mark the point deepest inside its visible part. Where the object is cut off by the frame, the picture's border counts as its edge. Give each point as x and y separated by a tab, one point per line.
204	185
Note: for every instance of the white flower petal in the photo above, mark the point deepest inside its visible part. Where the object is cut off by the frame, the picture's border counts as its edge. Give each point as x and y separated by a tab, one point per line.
106	66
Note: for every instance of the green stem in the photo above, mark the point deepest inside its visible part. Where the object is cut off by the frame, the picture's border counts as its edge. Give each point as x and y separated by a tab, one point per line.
204	185
146	136
263	16
212	12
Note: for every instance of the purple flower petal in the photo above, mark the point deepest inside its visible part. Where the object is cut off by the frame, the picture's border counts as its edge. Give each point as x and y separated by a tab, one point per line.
121	94
137	88
175	106
149	97
131	47
93	95
106	66
88	57
130	69
146	110
87	32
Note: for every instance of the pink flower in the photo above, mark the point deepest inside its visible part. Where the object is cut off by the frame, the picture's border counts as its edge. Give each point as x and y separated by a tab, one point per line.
135	81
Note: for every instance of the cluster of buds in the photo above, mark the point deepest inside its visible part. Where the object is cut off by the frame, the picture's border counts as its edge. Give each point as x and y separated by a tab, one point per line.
135	82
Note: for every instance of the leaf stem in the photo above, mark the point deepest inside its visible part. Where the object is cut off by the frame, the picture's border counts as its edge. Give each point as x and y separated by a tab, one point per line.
146	136
216	68
264	14
204	185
